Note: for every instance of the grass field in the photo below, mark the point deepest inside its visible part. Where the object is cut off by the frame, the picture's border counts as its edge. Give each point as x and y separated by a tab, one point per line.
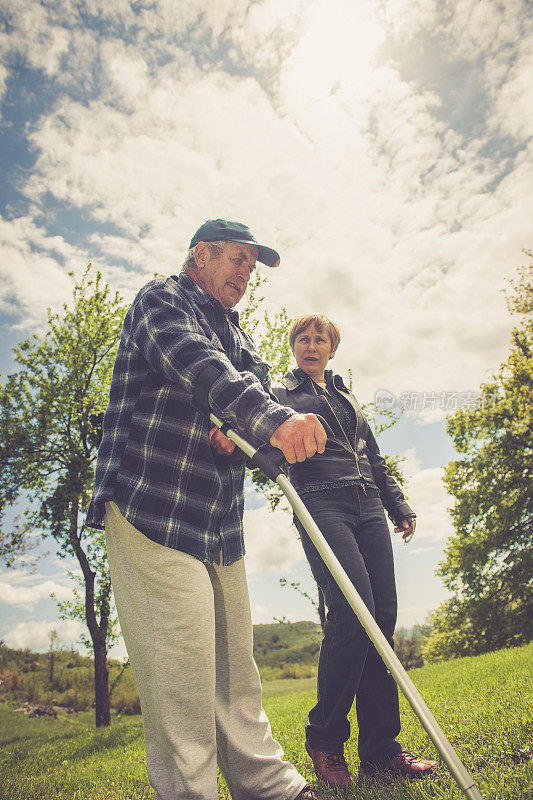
484	705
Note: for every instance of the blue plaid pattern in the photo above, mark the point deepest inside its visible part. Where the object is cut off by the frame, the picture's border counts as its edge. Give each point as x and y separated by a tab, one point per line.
155	461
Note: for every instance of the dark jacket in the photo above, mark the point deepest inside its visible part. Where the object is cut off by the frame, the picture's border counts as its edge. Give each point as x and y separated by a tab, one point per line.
338	462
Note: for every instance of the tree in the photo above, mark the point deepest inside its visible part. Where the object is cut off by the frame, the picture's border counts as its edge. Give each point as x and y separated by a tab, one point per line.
488	564
408	644
50	413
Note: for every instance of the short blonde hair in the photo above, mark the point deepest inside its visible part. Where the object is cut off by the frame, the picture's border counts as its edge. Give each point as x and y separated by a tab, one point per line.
321	322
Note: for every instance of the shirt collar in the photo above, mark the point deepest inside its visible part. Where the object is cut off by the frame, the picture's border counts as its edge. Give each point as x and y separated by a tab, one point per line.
203	298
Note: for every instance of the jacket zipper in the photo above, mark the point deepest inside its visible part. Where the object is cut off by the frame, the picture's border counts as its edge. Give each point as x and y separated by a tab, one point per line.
354	447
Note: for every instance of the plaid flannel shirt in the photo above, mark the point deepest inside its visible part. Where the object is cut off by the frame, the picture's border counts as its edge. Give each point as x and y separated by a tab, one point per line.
155	461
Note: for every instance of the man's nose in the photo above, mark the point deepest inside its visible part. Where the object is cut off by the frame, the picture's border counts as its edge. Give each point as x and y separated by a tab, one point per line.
245	270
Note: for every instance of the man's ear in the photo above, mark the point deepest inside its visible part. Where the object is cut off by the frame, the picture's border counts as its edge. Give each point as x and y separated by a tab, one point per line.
201	254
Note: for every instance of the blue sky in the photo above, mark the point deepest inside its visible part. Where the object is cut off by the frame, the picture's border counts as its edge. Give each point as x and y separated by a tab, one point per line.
383	147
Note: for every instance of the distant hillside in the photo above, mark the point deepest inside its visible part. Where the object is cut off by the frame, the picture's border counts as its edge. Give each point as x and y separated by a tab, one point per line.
66	678
282	650
287	649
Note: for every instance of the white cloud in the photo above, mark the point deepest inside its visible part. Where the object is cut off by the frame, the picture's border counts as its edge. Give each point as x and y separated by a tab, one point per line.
407	19
159	169
412	615
329	57
272	541
262	614
426	416
35	634
34	35
3	80
384	214
31	269
514	100
12	593
488	27
429	499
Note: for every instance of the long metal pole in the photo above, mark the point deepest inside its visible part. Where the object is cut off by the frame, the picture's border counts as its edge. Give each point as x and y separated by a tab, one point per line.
430	724
428	721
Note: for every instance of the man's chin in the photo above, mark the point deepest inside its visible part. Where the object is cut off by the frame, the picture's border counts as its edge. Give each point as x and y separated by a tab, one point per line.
231	299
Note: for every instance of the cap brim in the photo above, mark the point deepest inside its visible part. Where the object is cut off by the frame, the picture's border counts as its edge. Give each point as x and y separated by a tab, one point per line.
268	256
265	255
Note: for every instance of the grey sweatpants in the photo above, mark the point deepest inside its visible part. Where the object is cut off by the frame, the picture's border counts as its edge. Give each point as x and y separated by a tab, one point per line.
188	632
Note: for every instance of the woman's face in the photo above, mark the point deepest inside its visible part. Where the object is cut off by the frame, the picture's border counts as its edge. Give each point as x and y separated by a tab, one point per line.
312	351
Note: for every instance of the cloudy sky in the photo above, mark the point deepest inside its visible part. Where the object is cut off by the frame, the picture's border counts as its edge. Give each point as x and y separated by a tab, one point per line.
383	147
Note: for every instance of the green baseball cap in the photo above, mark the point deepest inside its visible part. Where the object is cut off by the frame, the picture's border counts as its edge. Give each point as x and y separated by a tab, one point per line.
226	230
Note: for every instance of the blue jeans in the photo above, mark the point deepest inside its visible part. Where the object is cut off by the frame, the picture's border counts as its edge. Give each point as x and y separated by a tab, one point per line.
353	523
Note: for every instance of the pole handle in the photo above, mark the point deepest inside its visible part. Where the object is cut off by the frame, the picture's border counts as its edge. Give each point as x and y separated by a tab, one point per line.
267	458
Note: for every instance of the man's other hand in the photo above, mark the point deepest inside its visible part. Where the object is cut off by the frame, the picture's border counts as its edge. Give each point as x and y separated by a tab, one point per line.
299	437
220	443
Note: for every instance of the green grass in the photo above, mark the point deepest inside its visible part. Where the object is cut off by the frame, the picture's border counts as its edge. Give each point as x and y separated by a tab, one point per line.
483	704
279	687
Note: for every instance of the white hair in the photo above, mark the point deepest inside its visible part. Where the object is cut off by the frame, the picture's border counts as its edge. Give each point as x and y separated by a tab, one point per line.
215	248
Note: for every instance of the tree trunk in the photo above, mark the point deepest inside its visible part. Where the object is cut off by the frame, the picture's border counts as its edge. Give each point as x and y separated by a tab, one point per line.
101	686
98	632
119	676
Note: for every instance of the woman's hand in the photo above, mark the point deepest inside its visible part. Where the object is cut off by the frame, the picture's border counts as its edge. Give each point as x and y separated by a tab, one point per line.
220	443
407	529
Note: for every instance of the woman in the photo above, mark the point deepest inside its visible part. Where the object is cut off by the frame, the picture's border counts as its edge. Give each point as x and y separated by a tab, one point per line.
345	489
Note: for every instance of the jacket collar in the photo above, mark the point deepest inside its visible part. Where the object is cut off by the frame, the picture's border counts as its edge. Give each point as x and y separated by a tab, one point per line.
296	377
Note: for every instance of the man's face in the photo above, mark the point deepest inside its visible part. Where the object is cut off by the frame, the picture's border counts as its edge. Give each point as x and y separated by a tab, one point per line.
226	277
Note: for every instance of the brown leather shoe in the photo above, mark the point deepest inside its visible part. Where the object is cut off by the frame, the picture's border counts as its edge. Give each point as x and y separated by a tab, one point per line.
411	766
330	767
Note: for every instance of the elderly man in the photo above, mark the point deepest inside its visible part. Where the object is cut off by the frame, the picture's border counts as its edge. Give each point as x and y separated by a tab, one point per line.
169	488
